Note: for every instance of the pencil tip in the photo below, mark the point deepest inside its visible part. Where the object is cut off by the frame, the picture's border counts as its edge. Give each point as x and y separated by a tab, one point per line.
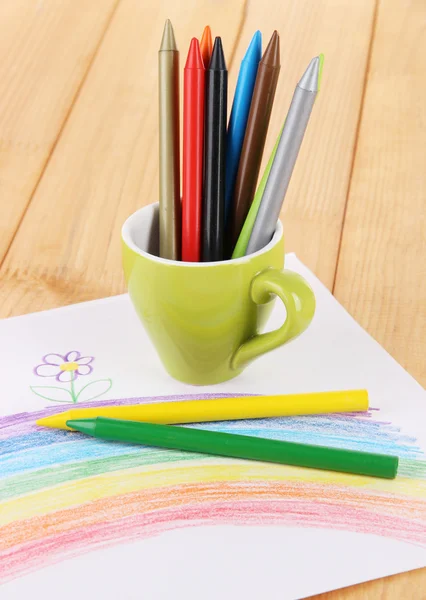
207	34
194	59
311	78
168	41
54	421
255	46
271	56
83	425
206	45
217	61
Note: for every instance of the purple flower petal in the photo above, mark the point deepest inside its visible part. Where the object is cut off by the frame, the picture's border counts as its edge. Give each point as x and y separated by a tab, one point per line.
66	376
85	360
54	359
72	356
47	370
84	369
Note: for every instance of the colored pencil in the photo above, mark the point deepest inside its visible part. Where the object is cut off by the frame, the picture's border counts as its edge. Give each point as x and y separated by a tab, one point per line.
255	136
243	239
221	409
239	115
239	446
206	46
286	156
214	155
168	67
193	147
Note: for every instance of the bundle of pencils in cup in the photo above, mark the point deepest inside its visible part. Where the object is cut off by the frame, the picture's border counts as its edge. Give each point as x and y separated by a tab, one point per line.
221	214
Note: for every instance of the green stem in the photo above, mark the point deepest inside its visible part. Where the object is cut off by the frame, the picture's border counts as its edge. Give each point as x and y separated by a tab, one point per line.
74	398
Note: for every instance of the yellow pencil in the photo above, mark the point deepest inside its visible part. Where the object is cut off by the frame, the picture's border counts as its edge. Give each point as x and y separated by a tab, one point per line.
221	409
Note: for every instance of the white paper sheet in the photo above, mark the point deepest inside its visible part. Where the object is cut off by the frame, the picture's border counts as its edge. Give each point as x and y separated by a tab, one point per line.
131	523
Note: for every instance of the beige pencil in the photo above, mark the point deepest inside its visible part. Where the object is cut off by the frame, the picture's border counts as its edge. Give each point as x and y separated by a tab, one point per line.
168	68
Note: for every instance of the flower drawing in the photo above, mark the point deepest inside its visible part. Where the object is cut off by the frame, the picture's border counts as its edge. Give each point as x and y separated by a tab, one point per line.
66	369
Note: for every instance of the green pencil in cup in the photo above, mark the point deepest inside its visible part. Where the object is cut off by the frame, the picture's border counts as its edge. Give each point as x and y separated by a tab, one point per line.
243	239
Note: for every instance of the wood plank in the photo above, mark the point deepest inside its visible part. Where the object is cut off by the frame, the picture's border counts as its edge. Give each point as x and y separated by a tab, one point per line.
381	275
405	586
46	48
314	206
105	165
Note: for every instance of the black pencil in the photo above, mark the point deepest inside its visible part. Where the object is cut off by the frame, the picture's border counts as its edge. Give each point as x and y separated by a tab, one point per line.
214	155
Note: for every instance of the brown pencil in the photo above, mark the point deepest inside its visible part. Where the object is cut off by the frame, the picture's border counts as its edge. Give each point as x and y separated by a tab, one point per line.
255	136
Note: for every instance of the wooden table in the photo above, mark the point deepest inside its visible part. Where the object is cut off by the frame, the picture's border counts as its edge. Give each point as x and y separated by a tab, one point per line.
78	154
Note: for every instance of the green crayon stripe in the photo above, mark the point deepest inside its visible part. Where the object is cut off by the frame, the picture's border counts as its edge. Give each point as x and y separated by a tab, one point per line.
33	481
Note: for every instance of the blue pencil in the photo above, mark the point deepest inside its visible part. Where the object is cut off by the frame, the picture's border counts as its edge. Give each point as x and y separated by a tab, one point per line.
239	115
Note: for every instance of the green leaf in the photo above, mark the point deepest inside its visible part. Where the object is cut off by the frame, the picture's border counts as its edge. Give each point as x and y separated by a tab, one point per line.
55	394
94	389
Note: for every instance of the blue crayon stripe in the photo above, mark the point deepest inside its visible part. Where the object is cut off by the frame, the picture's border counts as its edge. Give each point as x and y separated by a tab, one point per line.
31	452
348	427
81	449
315	424
380	444
35	439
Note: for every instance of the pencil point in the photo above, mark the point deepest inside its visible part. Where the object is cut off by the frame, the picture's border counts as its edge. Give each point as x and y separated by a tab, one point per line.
168	41
310	78
206	45
194	59
217	61
255	47
54	421
207	34
271	56
83	425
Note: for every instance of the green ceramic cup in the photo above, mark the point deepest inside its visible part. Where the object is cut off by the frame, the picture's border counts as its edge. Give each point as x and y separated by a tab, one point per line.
205	319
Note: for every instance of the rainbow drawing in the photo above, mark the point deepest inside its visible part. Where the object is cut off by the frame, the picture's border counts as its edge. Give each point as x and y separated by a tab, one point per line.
62	495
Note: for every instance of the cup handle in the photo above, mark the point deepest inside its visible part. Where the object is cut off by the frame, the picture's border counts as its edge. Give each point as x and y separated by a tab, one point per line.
299	301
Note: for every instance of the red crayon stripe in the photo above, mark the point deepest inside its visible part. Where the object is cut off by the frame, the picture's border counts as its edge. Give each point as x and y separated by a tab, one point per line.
193	139
38	542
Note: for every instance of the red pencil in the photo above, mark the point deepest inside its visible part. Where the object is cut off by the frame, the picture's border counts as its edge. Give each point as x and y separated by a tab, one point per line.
193	138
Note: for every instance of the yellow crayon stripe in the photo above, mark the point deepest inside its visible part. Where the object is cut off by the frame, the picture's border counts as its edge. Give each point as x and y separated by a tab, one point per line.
200	471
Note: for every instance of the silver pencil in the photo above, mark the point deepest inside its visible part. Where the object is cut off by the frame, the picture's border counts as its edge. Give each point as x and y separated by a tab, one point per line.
286	156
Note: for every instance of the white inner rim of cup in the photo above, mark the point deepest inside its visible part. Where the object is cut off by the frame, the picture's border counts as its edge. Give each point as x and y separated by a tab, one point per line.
140	231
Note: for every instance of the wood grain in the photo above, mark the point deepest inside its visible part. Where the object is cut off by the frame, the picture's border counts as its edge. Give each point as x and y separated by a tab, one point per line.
105	165
46	48
406	586
315	202
381	276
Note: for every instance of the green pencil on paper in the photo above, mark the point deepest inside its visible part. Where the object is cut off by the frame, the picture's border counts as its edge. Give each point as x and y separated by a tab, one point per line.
238	446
